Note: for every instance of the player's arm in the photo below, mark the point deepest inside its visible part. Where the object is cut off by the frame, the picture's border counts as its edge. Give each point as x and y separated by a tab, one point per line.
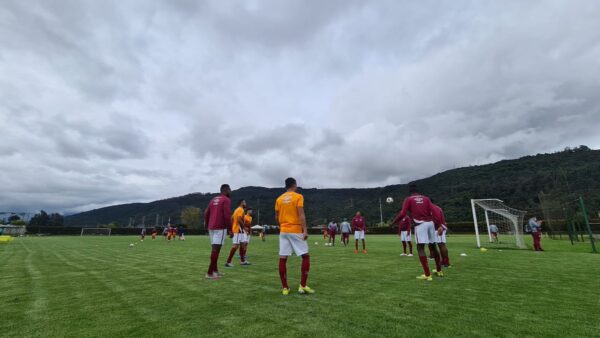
227	214
206	216
302	217
403	212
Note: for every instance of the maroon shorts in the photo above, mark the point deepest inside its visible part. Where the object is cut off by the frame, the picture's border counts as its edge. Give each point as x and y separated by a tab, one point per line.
345	235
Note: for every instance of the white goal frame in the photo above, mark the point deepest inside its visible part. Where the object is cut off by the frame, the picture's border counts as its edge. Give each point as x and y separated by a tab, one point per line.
108	230
515	216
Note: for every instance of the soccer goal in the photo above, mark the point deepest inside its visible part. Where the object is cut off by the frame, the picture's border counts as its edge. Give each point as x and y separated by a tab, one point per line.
95	231
501	223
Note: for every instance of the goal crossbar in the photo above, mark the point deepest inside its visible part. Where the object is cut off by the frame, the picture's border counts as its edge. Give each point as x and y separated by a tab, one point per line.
95	231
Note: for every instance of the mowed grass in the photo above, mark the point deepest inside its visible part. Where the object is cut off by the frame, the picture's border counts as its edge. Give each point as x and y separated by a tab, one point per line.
101	287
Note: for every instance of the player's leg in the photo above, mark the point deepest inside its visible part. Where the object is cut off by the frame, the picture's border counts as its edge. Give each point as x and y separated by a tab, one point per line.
300	248
234	248
217	237
356	235
421	237
285	250
441	242
431	232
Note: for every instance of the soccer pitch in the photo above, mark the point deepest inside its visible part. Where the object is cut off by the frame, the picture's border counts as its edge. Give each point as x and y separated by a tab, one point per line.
100	286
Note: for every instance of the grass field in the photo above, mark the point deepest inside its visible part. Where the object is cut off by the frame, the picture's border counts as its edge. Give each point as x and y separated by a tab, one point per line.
99	286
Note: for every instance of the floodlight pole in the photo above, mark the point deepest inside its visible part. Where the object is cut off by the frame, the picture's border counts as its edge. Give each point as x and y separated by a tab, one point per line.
380	213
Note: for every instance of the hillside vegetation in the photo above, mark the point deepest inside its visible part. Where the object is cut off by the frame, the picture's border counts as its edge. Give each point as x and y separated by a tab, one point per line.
569	173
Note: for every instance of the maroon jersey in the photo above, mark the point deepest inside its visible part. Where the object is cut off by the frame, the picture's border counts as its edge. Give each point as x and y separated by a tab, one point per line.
405	224
419	207
358	223
218	213
438	216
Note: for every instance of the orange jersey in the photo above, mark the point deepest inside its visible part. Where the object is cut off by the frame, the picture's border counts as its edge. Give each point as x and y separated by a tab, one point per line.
286	208
236	226
247	220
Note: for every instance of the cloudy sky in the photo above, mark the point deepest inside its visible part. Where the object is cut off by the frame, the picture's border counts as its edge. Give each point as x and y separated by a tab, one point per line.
105	102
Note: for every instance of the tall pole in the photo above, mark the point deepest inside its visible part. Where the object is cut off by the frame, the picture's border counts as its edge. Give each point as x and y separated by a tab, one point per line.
380	212
143	221
156	220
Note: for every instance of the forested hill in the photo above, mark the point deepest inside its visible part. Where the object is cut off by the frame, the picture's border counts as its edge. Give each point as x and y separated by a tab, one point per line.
572	172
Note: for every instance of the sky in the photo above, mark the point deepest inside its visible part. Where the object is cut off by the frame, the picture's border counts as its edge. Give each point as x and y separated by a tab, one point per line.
107	102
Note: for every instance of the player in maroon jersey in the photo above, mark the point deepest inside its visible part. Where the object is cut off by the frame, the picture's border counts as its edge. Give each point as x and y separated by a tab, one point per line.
217	218
440	235
420	209
406	235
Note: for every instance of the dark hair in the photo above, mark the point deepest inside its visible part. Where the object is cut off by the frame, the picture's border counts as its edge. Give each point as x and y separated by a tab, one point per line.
290	182
249	209
225	187
412	188
240	201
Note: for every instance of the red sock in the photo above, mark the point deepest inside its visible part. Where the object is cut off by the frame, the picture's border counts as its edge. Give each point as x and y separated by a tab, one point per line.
283	272
425	265
410	246
305	269
436	257
214	256
404	246
231	253
242	254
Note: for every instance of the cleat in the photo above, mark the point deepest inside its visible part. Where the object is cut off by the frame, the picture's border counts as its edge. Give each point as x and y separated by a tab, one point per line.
355	251
423	277
448	266
305	290
285	292
403	254
214	276
364	251
410	255
219	273
229	265
439	273
245	263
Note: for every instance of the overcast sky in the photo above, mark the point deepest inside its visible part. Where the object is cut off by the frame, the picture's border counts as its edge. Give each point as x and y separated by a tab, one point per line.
105	102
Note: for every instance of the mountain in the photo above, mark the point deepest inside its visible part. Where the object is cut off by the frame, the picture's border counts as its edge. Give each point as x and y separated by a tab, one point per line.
569	173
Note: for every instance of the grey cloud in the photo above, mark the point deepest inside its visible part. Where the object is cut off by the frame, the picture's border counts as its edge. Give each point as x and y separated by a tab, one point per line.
121	101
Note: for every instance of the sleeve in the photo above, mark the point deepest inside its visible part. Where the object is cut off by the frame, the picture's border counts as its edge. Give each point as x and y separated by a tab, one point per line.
403	212
206	215
227	213
300	202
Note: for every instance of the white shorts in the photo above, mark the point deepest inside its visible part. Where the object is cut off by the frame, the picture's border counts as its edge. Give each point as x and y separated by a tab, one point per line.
359	234
405	236
289	242
241	237
425	233
217	236
441	238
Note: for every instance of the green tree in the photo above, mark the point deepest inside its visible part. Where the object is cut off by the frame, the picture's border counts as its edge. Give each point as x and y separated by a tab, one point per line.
191	217
40	219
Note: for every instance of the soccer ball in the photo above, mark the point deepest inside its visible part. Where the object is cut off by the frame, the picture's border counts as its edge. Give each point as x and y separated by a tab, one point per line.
483	249
316	243
389	200
131	244
463	254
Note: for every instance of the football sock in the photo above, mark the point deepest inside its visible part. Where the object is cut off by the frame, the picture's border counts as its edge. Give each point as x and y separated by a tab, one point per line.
231	253
305	269
283	272
425	265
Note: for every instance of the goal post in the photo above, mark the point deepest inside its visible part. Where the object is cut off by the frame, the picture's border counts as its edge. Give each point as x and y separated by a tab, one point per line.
503	224
95	231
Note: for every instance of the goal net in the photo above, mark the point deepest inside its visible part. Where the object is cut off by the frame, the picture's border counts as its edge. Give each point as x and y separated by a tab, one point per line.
95	231
497	223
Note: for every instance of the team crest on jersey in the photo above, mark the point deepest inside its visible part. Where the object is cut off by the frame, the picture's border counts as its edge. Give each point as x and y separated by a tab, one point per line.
419	200
286	199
